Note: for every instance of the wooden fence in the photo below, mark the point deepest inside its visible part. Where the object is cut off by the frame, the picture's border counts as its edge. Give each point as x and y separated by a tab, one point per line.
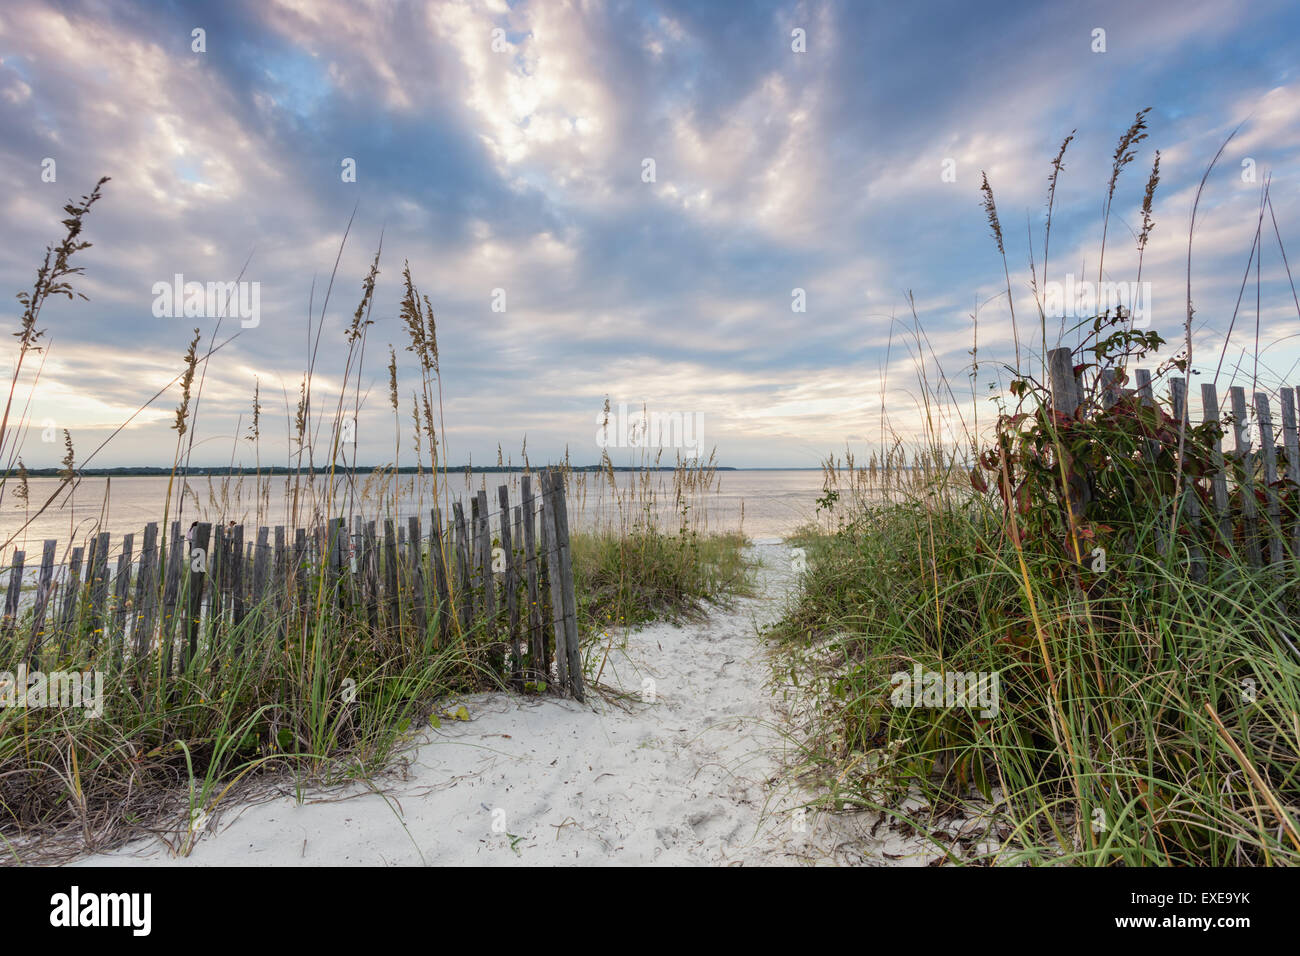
503	572
1264	535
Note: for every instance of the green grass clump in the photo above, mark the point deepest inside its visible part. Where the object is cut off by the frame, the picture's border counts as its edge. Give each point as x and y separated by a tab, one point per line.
648	575
1155	725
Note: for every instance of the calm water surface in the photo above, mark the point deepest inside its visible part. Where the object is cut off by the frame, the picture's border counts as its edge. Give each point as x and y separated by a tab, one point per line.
762	504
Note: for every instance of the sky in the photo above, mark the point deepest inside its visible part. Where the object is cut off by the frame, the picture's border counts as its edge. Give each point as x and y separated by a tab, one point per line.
764	216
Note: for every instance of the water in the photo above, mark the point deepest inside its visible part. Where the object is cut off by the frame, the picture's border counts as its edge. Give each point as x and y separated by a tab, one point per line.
762	504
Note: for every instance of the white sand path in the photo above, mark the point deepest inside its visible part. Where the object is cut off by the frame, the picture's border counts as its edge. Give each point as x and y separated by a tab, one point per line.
691	777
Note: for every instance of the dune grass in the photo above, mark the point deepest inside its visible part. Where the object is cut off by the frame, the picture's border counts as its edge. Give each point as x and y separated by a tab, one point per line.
627	580
1170	737
1148	706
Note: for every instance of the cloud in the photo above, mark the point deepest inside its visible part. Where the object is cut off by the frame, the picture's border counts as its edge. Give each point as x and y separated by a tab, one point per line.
519	168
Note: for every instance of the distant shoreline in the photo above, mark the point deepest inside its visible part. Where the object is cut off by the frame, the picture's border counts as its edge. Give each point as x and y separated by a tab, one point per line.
149	471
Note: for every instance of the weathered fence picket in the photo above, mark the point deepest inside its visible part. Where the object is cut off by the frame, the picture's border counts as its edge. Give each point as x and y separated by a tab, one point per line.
492	578
1268	451
1188	499
1268	535
44	589
438	545
509	584
72	594
11	596
536	635
464	580
1066	398
556	588
1291	442
1246	461
146	588
1219	480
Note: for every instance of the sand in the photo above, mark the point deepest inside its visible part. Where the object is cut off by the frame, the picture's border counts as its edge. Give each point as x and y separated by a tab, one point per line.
688	772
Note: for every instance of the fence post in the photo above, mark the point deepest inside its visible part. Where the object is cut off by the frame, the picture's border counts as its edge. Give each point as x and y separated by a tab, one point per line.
43	588
390	572
122	593
218	569
261	559
551	553
1066	398
536	631
237	608
567	615
483	532
1268	450
97	569
1110	392
1189	500
571	604
517	569
146	590
512	606
467	600
72	592
1289	439
415	557
15	589
171	588
198	575
280	582
1249	508
437	545
1210	413
298	570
